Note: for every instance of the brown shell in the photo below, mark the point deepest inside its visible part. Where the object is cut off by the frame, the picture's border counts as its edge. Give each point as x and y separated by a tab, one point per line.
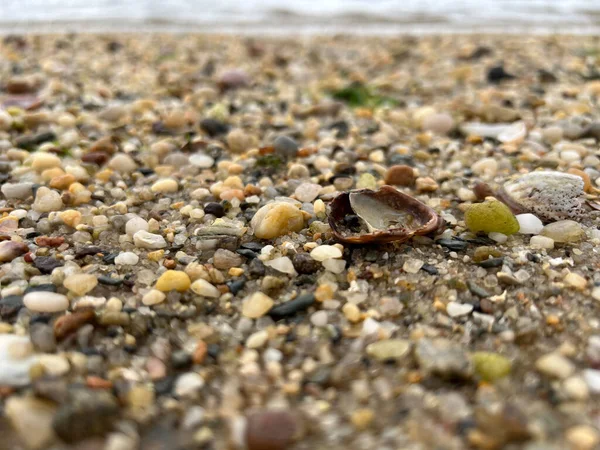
428	221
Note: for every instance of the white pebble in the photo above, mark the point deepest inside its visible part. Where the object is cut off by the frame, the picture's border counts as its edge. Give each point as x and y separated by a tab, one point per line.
336	266
143	239
282	264
258	339
16	359
205	289
455	309
127	259
498	237
529	224
136	224
324	252
542	242
188	384
307	192
48	302
319	318
201	160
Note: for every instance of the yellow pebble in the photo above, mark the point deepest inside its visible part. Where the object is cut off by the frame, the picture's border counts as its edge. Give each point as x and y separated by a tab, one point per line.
70	217
173	280
236	271
362	418
156	256
351	312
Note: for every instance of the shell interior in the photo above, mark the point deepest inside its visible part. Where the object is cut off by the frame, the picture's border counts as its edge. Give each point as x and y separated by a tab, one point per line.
379	216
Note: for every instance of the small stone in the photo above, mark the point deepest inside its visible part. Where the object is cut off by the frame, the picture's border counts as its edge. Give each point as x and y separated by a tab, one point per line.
291	307
541	242
362	418
70	217
491	216
225	259
215	209
10	250
16	360
443	358
127	259
564	231
285	147
529	224
202	161
136	224
166	186
213	128
122	163
17	191
426	184
233	79
153	297
41	161
491	366
80	283
366	181
46	302
69	323
324	252
576	281
351	312
205	289
576	388
498	237
334	265
400	175
277	219
173	280
188	384
555	365
47	200
592	378
412	265
55	365
32	420
485	167
440	123
270	430
304	264
455	309
256	305
389	350
307	192
319	318
583	437
42	337
239	142
144	239
46	264
258	339
282	264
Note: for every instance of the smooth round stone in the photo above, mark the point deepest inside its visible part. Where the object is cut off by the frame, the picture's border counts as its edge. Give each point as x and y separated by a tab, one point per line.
575	281
270	430
55	365
319	318
80	283
166	186
10	250
455	309
324	252
307	192
277	219
440	123
583	437
205	289
552	134
153	297
122	163
541	242
47	200
256	305
188	384
485	167
238	141
202	161
282	264
127	259
46	302
17	190
592	378
143	239
529	224
564	231
41	161
285	146
258	339
136	224
400	175
500	238
390	349
173	280
555	365
16	360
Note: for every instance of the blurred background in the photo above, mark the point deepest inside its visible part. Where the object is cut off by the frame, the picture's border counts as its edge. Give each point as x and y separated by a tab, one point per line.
303	16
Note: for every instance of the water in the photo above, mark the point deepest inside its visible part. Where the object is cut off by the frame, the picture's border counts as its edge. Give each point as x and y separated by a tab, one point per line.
303	16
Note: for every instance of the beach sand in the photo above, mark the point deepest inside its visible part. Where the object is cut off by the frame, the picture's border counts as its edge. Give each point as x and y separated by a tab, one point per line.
171	279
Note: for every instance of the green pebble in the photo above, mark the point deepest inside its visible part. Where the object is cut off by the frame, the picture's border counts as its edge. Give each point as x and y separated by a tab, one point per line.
491	216
366	181
490	366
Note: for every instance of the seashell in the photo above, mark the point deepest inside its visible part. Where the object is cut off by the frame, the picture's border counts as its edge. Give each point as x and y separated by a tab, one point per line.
385	215
549	195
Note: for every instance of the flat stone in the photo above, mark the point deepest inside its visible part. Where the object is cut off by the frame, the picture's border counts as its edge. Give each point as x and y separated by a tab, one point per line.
555	365
564	231
144	239
455	309
389	349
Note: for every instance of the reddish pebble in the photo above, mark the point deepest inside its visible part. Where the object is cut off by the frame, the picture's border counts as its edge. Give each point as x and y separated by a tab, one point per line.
200	352
400	175
97	158
270	430
69	323
47	241
98	383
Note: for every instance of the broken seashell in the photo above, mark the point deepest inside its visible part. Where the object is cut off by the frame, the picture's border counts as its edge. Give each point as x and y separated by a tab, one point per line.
386	215
549	195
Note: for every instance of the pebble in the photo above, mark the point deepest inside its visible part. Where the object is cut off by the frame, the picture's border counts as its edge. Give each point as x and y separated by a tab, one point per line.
173	280
285	147
555	365
16	360
165	186
529	224
270	429
277	219
258	339
17	191
205	289
440	123
282	264
455	309
80	283
122	163
491	366
336	266
54	365
592	378
491	216
46	302
225	259
485	167
127	259
324	252
256	305
443	358
319	318
188	384
41	161
144	239
47	200
307	192
291	307
32	419
153	297
351	312
576	388
564	231
400	175
575	280
541	242
136	224
202	161
583	437
389	349
10	250
238	141
304	264
412	265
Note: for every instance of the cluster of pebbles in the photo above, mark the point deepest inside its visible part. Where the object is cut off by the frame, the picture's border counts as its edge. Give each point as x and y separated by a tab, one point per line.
172	274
